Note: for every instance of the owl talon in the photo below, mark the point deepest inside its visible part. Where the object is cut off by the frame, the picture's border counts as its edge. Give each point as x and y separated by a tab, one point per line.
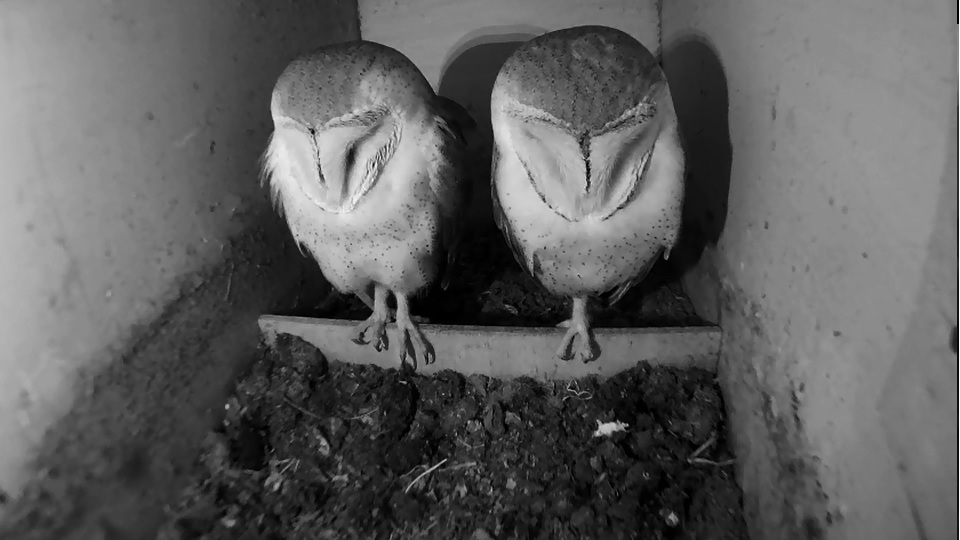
578	326
585	349
414	345
376	328
564	352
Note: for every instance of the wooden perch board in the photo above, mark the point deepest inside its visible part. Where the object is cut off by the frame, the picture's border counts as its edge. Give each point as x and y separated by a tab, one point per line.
507	352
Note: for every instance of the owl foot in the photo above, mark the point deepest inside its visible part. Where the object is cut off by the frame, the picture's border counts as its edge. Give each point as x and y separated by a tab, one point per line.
376	327
414	345
585	349
376	324
578	326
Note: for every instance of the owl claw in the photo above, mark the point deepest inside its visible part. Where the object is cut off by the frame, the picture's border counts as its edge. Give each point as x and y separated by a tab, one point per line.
377	328
414	345
586	349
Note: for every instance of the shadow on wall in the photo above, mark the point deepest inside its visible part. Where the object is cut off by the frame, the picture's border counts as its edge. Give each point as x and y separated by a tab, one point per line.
699	87
469	71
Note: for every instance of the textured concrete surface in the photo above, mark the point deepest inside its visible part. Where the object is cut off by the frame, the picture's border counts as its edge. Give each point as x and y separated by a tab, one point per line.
835	248
109	467
130	138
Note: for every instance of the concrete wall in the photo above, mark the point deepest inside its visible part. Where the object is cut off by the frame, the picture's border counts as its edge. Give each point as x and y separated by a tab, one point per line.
129	142
826	138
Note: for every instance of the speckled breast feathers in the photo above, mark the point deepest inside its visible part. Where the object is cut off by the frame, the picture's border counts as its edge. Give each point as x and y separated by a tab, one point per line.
579	116
348	117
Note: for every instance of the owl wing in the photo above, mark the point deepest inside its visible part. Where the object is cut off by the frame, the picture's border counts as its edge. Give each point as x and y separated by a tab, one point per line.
448	176
500	218
456	116
667	153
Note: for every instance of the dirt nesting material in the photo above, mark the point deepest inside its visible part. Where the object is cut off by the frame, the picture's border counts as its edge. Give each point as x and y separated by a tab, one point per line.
491	289
311	449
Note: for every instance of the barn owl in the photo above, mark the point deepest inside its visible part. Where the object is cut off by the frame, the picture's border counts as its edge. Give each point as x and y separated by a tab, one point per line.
587	173
365	164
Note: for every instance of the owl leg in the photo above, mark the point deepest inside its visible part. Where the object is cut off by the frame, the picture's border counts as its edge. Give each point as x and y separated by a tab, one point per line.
376	324
364	297
586	348
413	343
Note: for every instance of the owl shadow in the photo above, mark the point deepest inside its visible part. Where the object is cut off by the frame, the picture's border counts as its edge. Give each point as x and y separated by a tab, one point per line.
698	84
469	71
468	75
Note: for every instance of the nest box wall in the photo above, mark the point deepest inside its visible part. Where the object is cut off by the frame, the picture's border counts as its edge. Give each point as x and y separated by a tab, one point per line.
837	253
434	33
130	138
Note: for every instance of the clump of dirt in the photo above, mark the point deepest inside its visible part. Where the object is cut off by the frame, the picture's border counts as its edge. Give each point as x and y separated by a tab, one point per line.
491	289
311	449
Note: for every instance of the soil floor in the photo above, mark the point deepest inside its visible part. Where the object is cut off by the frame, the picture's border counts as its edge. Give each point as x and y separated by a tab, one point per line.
311	449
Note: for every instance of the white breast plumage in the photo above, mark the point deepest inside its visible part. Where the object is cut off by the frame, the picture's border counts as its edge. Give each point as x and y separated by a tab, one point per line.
365	165
588	169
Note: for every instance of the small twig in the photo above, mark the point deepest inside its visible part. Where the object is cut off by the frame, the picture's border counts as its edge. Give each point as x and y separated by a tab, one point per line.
702	448
226	295
411	471
460	466
574	389
701	461
295	463
468	445
301	409
361	415
423	474
432	525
